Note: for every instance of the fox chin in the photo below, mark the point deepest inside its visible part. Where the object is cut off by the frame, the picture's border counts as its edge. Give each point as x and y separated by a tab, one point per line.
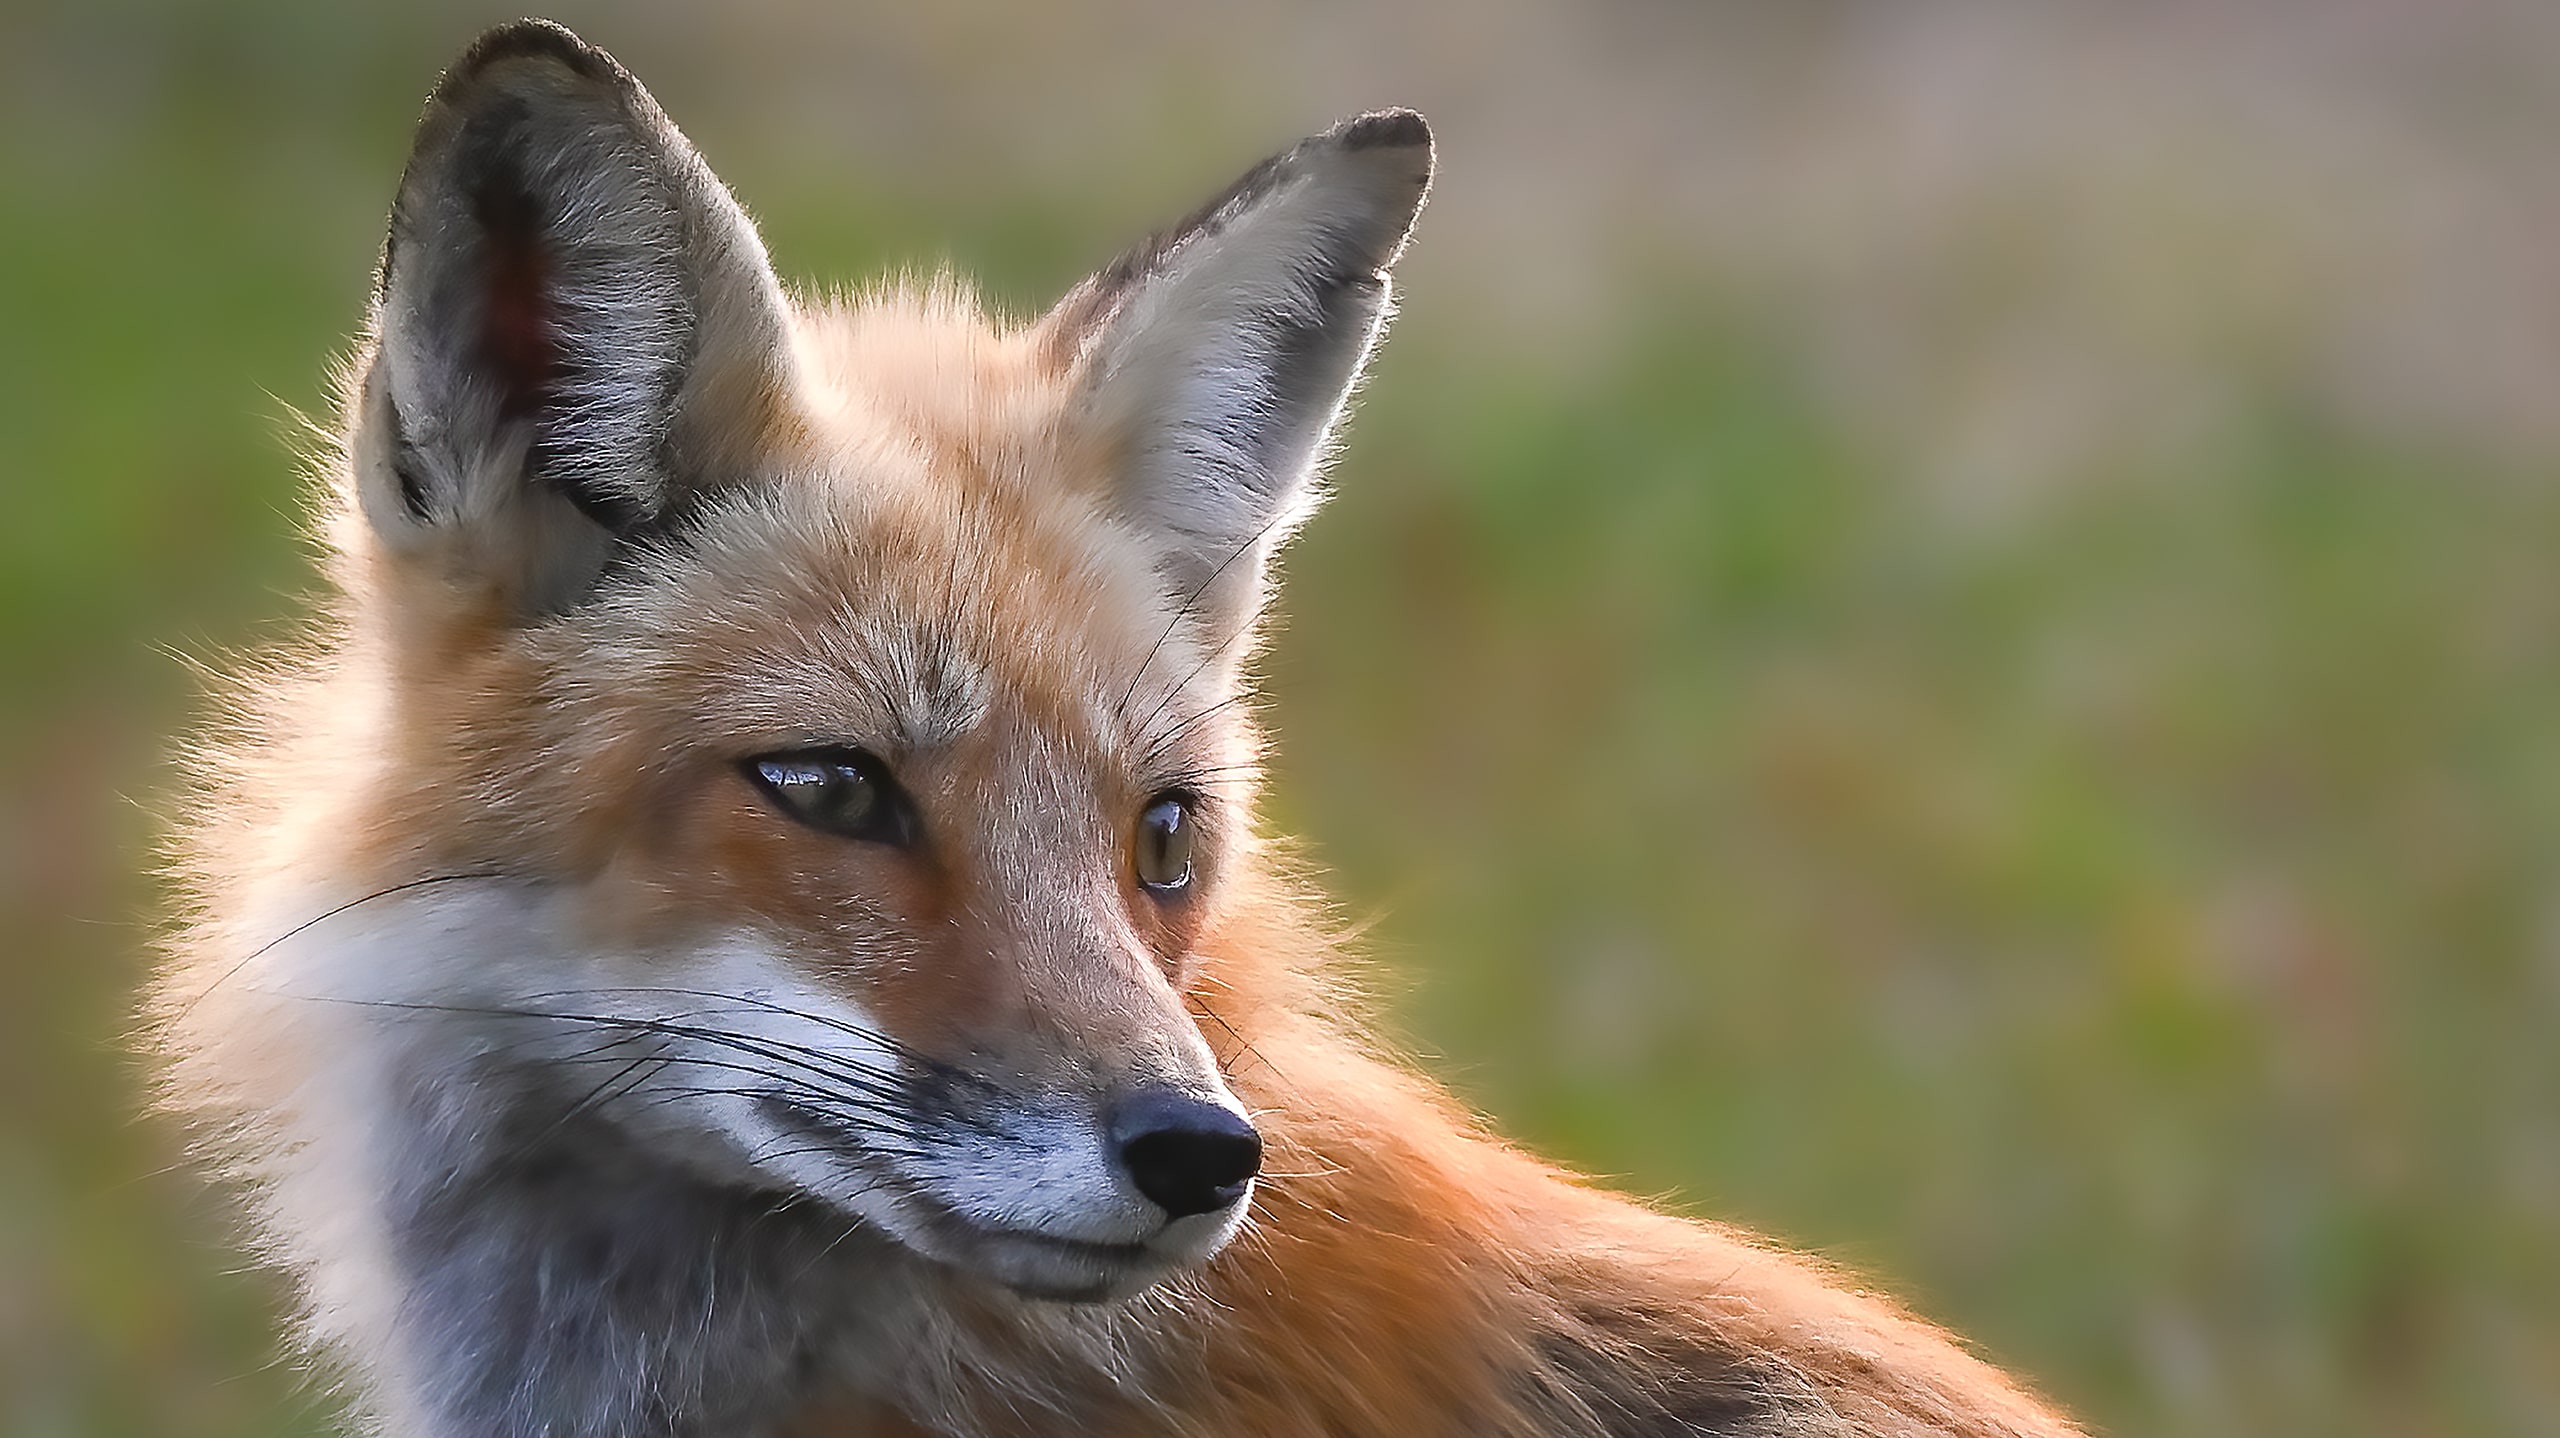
744	913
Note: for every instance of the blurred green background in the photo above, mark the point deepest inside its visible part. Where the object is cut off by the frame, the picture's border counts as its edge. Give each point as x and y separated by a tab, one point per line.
1939	634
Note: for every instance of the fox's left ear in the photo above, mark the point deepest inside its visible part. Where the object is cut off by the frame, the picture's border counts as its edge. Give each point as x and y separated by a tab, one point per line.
1212	362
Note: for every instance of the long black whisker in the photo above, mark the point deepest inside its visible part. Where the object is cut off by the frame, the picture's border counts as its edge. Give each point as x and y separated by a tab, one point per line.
878	1100
1212	657
679	1017
1247	1044
785	1087
1208	774
323	917
817	1061
770	1154
1190	602
593	1097
869	1083
1165	740
930	1066
852	1030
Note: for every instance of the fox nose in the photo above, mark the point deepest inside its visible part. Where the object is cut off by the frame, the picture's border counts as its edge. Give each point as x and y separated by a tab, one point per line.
1186	1154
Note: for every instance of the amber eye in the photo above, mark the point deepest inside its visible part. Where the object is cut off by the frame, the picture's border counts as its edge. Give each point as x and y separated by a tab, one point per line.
838	791
1164	845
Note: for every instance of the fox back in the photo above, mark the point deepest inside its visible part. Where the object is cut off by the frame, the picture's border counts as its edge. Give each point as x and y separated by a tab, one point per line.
747	913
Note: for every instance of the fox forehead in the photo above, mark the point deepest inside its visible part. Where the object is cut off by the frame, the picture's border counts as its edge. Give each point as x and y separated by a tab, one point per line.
928	541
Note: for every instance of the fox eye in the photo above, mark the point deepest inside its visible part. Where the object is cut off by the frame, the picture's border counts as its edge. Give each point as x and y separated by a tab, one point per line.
837	791
1164	845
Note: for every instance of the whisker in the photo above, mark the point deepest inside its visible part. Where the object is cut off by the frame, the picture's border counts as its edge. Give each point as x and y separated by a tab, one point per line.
1190	602
1165	740
784	1089
770	1154
844	1026
323	917
593	1097
818	1061
785	1086
1208	774
1220	1020
1268	1176
1251	619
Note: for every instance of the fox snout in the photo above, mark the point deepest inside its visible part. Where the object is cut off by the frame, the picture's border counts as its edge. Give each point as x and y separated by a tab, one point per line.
1045	1178
1024	1096
1057	1196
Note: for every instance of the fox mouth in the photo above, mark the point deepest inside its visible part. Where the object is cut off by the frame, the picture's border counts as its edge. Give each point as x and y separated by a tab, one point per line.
1029	1261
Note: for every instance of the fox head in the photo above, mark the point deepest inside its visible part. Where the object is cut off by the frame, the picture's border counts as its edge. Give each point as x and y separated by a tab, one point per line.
809	738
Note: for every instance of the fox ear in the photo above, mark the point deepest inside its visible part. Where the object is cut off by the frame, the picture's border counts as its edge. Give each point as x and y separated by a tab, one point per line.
576	330
1212	362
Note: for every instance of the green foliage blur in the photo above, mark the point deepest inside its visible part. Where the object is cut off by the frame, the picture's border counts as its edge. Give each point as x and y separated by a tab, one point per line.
1938	634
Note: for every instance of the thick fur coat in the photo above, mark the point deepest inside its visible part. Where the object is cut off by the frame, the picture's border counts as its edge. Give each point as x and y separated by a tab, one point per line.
706	932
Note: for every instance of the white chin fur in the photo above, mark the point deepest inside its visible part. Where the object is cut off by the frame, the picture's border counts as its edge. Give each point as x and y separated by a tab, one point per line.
1040	1266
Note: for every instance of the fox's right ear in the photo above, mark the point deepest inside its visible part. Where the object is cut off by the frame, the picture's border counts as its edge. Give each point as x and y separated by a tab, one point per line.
576	332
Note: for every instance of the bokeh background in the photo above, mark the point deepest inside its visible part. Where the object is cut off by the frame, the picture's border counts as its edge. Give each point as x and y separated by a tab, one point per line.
1941	632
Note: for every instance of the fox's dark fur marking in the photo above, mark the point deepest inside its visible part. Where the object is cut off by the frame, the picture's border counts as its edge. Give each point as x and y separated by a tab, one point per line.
564	1286
1654	1386
1092	304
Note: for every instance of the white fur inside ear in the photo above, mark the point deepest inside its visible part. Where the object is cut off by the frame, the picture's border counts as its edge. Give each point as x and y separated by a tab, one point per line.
1220	372
1195	369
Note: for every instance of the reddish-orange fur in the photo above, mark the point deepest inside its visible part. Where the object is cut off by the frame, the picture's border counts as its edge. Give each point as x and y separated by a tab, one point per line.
1402	1273
1400	1266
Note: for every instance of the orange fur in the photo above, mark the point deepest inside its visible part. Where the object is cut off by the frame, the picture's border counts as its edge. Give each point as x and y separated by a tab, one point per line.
930	509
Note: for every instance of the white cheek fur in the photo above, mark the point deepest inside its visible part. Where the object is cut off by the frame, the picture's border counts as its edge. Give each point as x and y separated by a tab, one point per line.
417	1029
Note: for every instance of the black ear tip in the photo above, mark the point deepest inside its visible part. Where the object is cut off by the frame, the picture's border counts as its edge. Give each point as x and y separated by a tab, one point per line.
533	39
1384	129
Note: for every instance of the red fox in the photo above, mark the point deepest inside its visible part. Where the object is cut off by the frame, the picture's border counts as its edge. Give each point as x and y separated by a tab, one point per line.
746	916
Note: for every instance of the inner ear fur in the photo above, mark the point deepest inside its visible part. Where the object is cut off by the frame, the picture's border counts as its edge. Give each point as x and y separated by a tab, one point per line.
1212	363
576	333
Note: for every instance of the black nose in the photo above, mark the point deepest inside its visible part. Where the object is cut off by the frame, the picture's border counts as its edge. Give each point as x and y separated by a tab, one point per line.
1187	1155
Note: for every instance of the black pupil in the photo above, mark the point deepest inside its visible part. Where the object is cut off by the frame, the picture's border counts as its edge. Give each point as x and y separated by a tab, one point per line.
1164	845
829	792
